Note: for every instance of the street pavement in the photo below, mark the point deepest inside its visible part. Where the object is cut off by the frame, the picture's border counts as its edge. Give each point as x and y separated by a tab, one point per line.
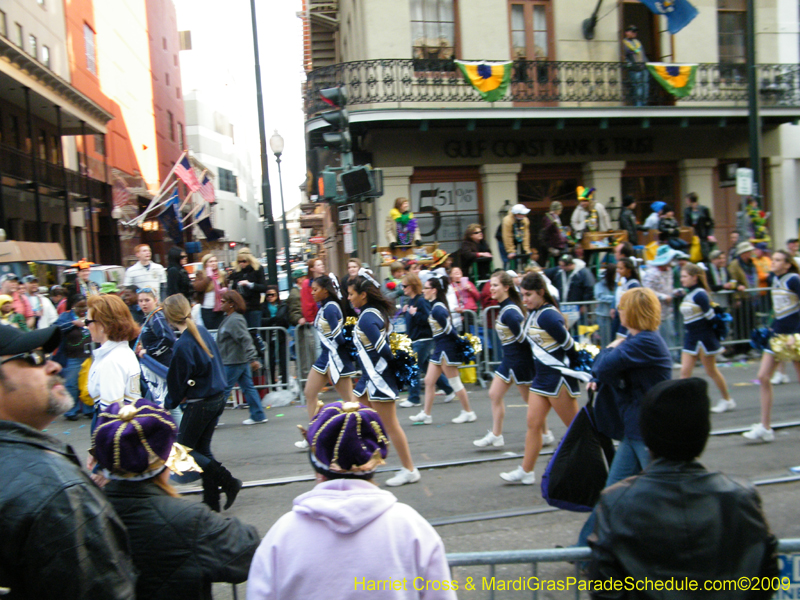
266	452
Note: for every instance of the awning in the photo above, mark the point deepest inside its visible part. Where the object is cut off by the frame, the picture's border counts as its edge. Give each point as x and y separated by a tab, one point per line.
11	252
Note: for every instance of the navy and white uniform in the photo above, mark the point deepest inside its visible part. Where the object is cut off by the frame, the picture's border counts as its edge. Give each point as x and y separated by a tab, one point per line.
445	338
517	364
330	324
785	304
371	337
697	315
551	344
623	287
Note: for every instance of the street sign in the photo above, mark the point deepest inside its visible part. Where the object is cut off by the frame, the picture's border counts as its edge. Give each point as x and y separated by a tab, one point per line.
789	566
347	214
744	182
317	239
349	246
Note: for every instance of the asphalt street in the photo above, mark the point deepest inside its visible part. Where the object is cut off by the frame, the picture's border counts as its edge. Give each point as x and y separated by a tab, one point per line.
471	507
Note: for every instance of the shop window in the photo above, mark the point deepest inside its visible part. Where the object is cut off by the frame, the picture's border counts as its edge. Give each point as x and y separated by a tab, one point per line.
433	34
444	210
731	17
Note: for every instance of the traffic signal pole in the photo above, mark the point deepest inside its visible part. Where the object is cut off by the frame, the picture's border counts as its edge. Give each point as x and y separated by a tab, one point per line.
266	193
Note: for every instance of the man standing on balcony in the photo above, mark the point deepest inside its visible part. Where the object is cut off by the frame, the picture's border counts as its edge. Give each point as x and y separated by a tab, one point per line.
635	60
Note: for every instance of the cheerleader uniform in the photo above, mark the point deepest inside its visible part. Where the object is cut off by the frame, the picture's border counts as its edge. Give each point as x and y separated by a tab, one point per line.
624	286
785	304
547	333
517	364
697	314
371	337
157	338
445	338
330	324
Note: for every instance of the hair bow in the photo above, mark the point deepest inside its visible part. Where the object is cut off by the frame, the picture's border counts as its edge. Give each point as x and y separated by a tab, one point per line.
367	274
335	282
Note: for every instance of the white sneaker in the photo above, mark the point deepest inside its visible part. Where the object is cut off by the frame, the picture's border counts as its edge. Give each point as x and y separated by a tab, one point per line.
779	378
407	404
759	433
465	417
723	406
451	397
490	439
519	476
421	417
302	444
548	439
403	477
251	422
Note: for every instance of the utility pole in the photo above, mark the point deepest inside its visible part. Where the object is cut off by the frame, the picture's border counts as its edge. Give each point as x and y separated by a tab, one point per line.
754	119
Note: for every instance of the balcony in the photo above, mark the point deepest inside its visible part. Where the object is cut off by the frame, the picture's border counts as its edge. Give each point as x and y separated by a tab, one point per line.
420	84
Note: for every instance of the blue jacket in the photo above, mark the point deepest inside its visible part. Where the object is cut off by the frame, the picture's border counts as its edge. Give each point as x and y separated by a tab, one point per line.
191	363
417	327
625	373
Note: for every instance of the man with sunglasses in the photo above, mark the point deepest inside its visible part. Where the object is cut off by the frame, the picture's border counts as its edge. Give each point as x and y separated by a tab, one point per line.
61	537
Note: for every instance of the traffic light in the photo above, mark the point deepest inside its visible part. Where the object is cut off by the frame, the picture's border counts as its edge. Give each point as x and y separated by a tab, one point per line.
327	186
357	182
339	119
232	245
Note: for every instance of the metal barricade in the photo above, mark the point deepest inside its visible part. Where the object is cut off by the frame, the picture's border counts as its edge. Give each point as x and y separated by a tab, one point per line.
492	350
306	349
470	323
275	373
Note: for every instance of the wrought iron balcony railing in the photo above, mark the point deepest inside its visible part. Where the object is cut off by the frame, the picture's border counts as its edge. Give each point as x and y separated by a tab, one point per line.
556	83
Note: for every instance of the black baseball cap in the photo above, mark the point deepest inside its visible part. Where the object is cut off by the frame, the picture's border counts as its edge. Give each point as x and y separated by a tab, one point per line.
631	28
13	341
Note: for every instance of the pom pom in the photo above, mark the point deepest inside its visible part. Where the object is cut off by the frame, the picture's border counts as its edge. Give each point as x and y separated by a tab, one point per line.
348	332
719	324
584	359
786	346
759	338
469	347
404	365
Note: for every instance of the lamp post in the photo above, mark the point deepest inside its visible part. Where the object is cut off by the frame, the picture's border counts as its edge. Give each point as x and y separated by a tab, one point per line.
276	144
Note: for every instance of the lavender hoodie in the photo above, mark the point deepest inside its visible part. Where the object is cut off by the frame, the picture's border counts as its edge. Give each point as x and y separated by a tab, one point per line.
350	539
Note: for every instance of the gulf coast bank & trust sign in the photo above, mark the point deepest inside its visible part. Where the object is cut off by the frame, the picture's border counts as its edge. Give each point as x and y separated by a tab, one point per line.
553	147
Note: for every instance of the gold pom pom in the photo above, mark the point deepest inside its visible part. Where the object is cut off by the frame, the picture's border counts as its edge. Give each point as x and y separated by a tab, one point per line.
590	348
400	342
785	346
475	342
350	321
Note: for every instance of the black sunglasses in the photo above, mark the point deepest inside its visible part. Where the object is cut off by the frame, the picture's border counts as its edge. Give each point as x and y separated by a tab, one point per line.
35	358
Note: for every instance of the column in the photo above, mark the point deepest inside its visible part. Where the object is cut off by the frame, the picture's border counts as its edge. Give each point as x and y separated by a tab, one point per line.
697	175
782	174
396	184
499	184
606	178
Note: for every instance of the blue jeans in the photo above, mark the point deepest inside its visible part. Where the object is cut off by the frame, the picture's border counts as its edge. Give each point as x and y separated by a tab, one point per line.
423	348
640	82
242	375
631	458
70	374
197	427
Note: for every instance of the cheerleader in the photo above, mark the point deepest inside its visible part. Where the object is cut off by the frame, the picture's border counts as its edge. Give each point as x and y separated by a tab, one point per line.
334	360
154	348
554	385
627	279
517	364
785	282
378	385
699	338
445	357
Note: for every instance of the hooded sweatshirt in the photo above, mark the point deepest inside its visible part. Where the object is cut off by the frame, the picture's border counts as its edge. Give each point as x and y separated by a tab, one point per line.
350	539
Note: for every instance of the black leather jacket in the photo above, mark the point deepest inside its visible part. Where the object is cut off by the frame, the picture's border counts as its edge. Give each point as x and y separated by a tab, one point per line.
180	547
251	295
627	221
676	519
60	536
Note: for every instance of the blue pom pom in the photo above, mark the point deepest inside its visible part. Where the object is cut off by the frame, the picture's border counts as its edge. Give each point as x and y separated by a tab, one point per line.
583	362
759	338
347	333
406	369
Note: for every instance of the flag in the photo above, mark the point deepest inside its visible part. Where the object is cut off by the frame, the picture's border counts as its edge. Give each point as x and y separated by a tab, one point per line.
490	79
186	174
120	194
212	235
679	13
171	220
678	80
207	189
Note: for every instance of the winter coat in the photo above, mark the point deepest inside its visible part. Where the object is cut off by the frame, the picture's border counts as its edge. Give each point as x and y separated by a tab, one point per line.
251	294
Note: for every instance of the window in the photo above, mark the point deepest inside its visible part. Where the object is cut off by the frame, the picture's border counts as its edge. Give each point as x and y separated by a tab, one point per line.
100	144
178	93
20	35
185	39
41	144
227	180
433	29
731	16
166	78
164	43
529	31
46	56
32	46
180	137
88	42
3	24
171	125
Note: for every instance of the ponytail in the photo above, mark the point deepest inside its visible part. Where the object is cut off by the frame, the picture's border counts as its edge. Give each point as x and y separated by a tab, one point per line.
179	312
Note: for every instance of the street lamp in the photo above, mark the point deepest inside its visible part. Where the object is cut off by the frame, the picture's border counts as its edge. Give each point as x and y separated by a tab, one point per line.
276	144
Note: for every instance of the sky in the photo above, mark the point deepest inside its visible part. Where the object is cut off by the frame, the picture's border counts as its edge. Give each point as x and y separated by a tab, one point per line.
232	65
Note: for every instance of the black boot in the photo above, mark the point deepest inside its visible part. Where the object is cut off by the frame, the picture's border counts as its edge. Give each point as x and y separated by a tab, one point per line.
211	488
229	484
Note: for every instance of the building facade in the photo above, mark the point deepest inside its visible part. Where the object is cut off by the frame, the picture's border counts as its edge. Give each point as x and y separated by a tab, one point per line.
567	118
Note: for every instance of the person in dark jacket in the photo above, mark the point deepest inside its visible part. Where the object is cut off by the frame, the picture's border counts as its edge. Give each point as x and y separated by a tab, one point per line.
699	218
179	547
677	517
627	220
275	313
552	234
197	379
475	250
239	355
249	280
73	351
61	537
178	281
669	230
622	373
574	283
